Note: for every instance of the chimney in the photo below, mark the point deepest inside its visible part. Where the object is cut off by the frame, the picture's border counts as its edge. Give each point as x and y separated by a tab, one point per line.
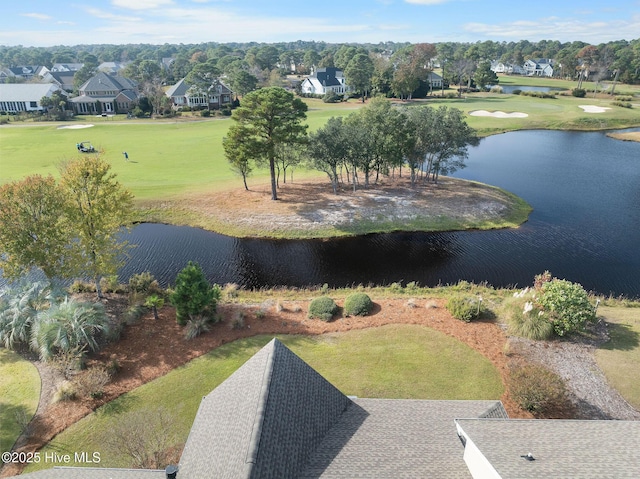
171	471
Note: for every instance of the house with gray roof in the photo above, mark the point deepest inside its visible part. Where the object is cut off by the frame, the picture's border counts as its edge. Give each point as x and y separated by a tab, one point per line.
182	95
276	417
25	97
324	80
104	93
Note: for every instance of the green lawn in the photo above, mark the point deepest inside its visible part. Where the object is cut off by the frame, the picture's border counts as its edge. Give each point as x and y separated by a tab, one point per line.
620	357
170	158
389	362
19	395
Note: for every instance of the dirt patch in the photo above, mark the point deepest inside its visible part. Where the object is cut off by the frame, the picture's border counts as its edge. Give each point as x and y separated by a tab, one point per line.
310	207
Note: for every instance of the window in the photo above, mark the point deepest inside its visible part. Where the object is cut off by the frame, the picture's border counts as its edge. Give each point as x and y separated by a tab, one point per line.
33	104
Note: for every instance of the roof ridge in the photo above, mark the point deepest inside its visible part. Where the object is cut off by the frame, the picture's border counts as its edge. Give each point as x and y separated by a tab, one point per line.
253	448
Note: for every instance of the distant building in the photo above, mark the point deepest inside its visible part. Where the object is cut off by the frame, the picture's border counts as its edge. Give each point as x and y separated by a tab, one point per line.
183	95
324	80
25	97
539	67
105	93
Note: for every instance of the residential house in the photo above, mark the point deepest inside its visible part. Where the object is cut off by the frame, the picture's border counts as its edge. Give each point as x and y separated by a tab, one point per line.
25	97
276	417
112	67
66	67
183	95
435	80
63	79
104	93
508	68
22	73
324	80
538	67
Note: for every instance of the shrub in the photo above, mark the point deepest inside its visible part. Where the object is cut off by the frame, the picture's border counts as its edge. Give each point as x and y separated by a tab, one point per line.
193	295
238	320
396	287
623	98
322	308
538	94
567	305
465	308
205	113
517	91
537	389
230	290
358	304
144	283
133	314
91	382
623	104
496	89
109	284
331	97
579	92
196	326
65	392
82	287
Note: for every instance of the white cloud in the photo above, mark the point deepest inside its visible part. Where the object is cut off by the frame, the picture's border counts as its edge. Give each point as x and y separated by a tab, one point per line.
103	15
558	29
141	4
37	16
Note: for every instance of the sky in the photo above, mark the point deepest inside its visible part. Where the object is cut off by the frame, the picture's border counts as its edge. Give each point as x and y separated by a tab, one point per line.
73	22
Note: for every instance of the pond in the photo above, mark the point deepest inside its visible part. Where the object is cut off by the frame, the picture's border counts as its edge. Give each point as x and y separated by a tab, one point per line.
511	88
585	227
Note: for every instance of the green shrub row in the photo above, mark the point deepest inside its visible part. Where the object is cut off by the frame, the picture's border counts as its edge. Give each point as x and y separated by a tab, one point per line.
623	104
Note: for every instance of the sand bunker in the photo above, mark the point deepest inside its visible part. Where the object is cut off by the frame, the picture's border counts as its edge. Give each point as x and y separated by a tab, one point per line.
498	114
594	109
74	127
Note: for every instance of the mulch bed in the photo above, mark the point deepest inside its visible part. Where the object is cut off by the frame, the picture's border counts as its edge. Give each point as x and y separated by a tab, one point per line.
151	348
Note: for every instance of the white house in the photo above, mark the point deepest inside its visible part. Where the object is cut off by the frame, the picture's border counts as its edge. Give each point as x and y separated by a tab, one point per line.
18	97
539	67
324	80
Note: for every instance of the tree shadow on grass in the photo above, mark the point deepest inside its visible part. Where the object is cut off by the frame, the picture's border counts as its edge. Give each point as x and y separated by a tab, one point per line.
622	338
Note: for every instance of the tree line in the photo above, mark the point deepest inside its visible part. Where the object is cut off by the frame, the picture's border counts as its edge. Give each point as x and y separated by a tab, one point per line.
375	141
387	68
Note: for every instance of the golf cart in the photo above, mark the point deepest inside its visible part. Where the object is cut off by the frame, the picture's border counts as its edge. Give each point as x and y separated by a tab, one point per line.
85	147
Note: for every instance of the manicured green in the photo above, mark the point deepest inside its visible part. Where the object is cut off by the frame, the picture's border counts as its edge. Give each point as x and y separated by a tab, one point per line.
403	361
19	395
619	358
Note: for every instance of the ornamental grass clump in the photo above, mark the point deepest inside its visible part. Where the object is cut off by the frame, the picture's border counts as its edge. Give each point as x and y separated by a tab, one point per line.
358	304
323	308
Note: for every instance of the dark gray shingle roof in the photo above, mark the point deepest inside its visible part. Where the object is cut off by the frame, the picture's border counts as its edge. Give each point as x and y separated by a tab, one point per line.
397	438
264	421
94	473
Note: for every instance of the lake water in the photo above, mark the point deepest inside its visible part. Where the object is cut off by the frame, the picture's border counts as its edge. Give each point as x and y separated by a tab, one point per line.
511	88
584	188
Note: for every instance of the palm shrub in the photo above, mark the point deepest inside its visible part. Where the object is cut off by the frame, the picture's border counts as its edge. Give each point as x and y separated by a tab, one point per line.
323	308
358	304
143	283
567	306
69	326
154	302
193	296
20	306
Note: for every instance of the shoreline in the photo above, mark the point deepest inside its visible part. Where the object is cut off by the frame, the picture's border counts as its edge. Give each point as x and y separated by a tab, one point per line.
308	209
